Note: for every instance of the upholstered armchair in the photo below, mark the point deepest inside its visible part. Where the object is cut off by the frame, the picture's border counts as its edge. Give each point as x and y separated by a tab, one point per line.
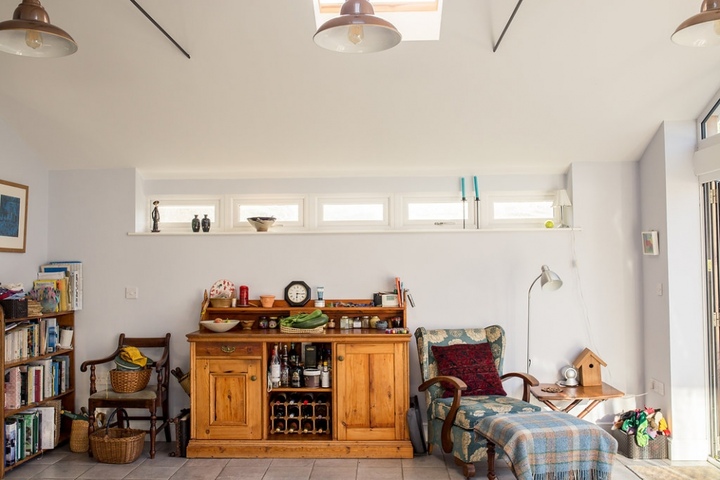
451	418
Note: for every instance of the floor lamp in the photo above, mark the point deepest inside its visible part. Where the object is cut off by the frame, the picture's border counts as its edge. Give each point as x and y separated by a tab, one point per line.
549	281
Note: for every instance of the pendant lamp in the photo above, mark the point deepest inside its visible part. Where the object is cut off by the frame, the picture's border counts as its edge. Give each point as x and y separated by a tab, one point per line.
357	30
30	33
701	30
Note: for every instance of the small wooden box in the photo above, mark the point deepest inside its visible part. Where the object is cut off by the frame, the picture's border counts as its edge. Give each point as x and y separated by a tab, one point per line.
15	308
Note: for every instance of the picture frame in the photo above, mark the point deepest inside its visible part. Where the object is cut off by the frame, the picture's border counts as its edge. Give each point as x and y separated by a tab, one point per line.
650	243
13	217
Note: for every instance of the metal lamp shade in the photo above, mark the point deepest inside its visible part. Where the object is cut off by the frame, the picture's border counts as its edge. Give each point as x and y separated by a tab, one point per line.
30	34
701	30
549	280
357	30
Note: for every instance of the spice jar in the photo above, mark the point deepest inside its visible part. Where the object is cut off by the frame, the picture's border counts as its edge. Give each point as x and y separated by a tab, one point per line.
365	322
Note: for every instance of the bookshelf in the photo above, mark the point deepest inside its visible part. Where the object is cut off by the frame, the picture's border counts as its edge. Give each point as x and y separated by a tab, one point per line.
25	350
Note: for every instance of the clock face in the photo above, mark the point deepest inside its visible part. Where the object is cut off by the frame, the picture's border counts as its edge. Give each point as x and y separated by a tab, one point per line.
297	293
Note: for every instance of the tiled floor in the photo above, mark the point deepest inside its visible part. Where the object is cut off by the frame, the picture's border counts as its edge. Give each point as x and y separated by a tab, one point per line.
61	463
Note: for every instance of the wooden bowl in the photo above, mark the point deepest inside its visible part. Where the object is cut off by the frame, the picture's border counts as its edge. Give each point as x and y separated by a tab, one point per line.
220	302
247	324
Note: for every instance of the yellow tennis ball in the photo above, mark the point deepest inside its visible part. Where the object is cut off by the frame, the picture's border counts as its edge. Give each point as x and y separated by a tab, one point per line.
549	224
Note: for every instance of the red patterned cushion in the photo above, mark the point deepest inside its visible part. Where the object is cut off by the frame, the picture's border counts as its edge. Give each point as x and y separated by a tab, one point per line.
472	363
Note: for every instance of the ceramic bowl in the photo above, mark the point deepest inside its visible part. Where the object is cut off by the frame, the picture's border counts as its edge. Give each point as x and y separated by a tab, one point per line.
247	324
220	302
261	224
219	327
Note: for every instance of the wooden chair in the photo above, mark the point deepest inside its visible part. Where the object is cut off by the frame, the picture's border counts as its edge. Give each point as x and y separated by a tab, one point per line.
451	420
152	398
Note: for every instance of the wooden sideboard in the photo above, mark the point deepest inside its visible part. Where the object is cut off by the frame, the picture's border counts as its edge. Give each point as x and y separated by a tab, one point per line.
361	415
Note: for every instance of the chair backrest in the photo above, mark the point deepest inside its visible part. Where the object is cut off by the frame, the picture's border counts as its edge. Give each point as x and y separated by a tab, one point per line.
493	334
151	346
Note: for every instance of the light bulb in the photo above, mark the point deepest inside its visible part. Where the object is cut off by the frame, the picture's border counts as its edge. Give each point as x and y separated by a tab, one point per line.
356	34
33	39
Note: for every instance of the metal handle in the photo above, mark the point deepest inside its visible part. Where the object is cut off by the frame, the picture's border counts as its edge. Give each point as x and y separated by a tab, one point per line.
227	349
340	358
253	378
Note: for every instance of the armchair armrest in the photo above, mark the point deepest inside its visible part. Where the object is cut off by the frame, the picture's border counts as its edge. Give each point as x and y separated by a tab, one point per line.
528	381
87	363
460	386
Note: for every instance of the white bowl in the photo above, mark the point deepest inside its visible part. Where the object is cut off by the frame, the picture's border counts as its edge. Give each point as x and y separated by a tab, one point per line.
219	327
261	224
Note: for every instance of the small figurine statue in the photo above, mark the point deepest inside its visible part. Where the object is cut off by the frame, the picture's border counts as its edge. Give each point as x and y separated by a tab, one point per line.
156	217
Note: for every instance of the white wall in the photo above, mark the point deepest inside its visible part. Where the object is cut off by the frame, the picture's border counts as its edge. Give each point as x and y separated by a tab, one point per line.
19	164
458	279
673	321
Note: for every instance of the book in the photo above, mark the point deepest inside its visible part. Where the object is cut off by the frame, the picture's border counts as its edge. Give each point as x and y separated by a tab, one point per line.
12	388
75	284
11	425
46	438
52	333
46	371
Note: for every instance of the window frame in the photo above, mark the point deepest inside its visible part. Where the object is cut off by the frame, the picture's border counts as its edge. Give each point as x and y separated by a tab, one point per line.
353	199
236	201
488	200
436	223
216	201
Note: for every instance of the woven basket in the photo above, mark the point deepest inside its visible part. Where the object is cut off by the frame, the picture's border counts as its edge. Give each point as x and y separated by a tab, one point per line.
117	445
285	329
129	381
79	436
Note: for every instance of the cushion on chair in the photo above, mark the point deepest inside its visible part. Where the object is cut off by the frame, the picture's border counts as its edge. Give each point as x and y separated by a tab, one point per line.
473	363
474	408
149	393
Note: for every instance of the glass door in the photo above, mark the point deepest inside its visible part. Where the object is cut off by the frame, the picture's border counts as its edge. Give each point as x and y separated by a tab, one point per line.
711	224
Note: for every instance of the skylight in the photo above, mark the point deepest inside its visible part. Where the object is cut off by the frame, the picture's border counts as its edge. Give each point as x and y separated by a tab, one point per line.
414	19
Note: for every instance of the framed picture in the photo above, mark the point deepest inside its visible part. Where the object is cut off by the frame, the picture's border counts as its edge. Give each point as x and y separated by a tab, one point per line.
13	216
650	243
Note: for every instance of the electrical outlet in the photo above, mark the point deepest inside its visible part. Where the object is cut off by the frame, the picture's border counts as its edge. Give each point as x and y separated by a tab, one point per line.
131	293
657	386
659	289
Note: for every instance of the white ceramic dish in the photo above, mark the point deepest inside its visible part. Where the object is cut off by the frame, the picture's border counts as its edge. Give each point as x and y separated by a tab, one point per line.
219	327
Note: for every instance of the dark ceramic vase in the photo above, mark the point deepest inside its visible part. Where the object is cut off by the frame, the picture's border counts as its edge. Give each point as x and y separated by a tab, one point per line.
206	224
196	224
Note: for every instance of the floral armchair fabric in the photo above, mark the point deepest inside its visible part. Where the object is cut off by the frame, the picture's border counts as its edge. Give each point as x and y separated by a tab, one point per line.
451	420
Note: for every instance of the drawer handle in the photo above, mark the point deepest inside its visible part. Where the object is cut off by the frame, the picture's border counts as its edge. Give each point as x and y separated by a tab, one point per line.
253	378
341	358
227	349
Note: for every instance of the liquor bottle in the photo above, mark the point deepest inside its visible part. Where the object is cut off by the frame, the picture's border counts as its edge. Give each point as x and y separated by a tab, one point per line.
284	368
325	376
320	425
307	426
292	356
307	399
275	369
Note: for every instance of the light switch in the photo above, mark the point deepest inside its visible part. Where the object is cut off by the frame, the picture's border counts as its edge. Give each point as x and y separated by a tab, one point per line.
131	293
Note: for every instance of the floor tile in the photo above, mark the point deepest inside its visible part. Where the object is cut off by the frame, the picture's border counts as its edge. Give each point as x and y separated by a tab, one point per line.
288	473
333	473
379	473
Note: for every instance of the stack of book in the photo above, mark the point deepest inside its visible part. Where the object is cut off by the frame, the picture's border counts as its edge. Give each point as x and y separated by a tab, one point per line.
37	381
29	432
59	286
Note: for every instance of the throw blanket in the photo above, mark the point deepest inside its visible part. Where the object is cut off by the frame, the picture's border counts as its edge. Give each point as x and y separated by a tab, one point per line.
551	445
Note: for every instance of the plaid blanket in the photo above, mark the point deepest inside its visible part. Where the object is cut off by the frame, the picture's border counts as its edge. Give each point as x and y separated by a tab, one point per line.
551	445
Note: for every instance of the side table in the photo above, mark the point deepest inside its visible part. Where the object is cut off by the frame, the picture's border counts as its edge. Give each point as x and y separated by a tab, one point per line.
575	395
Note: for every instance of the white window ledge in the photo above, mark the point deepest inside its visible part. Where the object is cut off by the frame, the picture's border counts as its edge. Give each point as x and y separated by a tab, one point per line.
353	232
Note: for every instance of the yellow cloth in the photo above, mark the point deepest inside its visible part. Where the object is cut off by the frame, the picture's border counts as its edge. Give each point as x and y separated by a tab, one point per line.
133	355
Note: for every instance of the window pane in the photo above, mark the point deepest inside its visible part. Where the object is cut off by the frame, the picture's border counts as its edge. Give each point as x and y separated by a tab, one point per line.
711	123
352	213
522	210
435	211
185	213
283	213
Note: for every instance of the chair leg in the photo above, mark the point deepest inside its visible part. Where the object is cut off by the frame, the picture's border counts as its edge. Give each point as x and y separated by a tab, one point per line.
166	419
491	460
468	468
153	432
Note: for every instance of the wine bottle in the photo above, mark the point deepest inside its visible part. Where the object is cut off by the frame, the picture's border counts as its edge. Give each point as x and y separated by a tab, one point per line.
275	369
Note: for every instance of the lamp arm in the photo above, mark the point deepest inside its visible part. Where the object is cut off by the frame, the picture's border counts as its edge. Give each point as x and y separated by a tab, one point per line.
527	348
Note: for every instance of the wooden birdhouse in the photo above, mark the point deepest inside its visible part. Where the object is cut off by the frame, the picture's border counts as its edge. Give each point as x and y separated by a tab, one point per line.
588	366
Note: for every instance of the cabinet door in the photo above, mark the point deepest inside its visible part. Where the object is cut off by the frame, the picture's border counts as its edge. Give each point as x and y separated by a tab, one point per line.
229	399
372	391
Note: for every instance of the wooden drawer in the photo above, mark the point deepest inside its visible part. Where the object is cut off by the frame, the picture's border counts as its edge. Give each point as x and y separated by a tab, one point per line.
228	349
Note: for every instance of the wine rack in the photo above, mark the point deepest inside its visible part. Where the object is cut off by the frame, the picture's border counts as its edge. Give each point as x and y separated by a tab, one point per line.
300	414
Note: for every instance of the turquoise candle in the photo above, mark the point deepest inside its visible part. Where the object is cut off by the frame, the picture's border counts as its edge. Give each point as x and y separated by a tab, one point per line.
476	187
462	186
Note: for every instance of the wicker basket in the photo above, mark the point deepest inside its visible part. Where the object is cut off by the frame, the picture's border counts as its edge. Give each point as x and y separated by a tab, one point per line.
129	381
79	436
285	329
117	445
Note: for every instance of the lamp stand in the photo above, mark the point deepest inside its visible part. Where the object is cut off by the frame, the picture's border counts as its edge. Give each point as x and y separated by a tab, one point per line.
527	349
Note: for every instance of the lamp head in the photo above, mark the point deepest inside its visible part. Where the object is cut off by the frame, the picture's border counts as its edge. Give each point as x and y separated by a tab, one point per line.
549	280
702	29
357	30
31	34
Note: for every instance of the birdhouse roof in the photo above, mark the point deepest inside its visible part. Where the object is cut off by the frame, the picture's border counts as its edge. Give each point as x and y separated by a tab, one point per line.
587	356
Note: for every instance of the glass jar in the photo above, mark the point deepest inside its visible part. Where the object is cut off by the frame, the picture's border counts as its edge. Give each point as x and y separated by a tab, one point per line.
263	322
365	321
345	322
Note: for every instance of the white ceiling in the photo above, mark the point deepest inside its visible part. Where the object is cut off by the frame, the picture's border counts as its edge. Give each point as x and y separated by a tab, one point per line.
572	81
